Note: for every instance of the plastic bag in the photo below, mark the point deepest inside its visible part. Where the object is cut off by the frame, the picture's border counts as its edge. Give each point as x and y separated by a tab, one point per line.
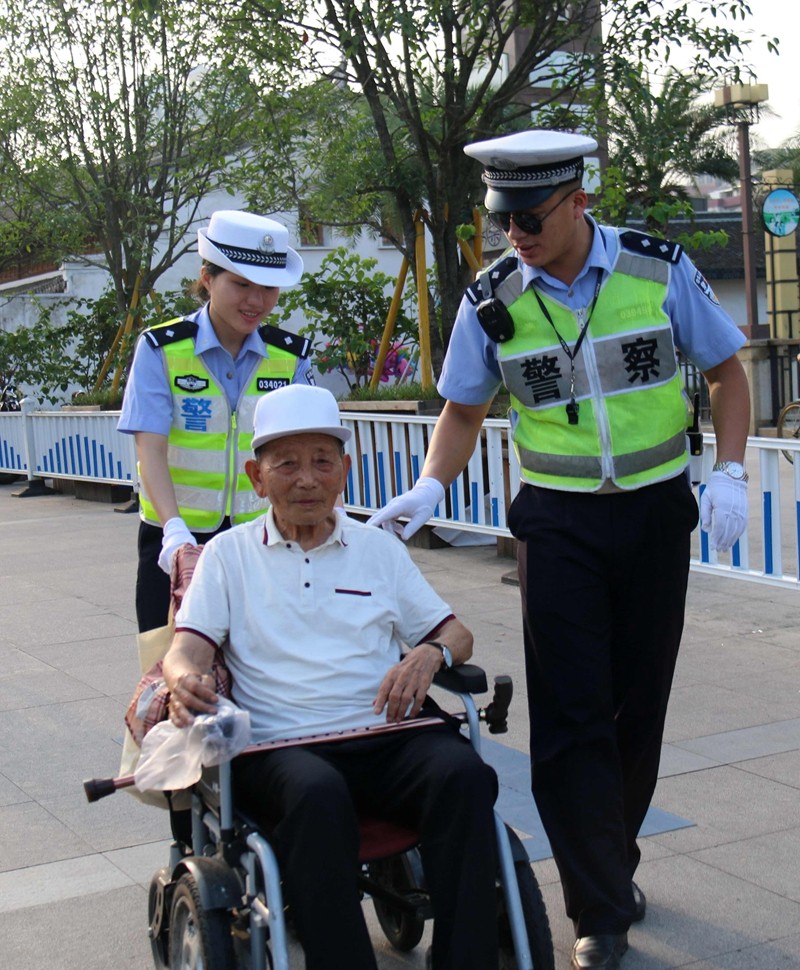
174	757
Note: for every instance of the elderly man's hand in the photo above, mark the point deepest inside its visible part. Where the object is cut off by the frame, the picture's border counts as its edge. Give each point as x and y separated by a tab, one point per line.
406	685
191	694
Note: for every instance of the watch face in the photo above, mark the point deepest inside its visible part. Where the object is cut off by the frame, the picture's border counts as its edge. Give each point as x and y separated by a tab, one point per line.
735	470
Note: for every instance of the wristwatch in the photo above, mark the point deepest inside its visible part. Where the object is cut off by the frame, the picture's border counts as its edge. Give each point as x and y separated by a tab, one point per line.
447	657
733	469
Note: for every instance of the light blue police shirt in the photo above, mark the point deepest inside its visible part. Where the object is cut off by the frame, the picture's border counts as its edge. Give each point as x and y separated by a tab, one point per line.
147	404
701	329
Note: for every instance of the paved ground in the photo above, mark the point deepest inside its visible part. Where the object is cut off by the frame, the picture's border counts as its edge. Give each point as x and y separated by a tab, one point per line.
720	872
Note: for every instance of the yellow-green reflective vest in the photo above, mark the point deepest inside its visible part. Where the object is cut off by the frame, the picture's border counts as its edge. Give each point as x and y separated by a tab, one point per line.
633	411
209	442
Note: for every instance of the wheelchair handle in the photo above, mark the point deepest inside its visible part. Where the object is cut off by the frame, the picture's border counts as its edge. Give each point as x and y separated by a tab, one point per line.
496	714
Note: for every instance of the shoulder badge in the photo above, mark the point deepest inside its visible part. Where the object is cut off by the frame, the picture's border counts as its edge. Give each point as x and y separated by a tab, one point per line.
489	279
170	332
285	340
644	245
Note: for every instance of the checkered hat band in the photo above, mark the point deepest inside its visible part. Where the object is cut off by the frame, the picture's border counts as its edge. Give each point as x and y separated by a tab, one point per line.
252	257
530	178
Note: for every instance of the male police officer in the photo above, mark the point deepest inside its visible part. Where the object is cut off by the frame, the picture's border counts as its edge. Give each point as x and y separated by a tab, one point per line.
581	322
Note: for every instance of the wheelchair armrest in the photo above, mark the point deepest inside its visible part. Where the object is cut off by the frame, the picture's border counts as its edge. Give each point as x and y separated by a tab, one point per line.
463	679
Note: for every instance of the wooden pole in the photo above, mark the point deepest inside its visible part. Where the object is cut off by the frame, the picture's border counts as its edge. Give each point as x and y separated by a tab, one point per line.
122	331
388	330
426	366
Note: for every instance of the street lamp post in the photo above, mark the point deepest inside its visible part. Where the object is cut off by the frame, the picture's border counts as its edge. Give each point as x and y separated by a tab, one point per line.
741	102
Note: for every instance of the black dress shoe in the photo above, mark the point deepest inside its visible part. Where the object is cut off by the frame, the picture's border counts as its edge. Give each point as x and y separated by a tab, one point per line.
640	901
600	952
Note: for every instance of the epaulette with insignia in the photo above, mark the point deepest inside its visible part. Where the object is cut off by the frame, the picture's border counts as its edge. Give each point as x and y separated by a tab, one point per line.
285	340
489	279
644	245
170	332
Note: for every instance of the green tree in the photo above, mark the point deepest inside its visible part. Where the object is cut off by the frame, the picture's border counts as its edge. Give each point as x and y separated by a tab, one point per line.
786	155
345	305
416	80
114	131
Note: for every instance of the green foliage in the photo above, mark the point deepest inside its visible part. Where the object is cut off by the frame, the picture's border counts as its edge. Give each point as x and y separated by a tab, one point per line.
661	136
413	391
53	360
346	305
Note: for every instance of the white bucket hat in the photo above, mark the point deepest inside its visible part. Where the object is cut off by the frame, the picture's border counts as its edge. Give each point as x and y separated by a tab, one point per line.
251	246
297	409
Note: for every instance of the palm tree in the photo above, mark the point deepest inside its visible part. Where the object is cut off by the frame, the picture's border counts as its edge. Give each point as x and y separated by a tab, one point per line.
660	139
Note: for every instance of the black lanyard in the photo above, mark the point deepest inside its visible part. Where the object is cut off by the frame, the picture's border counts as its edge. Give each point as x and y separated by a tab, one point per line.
572	406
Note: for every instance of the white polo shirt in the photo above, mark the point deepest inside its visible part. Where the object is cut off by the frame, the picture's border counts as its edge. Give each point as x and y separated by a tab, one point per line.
309	635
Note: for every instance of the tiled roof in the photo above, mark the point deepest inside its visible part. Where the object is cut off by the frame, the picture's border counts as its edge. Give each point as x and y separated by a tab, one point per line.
720	262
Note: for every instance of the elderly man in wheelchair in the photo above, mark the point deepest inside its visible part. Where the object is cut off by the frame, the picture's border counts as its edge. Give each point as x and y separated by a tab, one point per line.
312	609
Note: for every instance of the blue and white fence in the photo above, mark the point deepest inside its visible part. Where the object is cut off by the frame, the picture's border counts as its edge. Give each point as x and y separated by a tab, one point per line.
387	454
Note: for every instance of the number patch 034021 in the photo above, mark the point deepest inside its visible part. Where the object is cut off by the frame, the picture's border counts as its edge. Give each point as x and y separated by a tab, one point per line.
271	383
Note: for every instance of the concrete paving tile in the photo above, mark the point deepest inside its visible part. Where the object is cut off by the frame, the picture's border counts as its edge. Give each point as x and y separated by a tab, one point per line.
11	794
40	627
727	663
43	884
141	861
677	761
119	649
783	954
30	836
784	768
116	822
698	710
730	747
696	912
726	805
39	688
106	929
768	861
15	661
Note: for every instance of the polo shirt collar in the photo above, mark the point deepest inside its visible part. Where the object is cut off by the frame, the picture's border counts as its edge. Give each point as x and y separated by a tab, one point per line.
272	534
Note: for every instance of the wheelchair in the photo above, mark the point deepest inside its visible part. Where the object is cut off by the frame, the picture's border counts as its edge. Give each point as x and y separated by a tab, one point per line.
221	906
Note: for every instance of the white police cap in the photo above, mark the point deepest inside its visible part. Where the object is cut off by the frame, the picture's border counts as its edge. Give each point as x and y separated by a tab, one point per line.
524	169
251	246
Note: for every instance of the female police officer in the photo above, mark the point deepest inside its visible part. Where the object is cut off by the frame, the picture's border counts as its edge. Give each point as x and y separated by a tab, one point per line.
192	390
581	321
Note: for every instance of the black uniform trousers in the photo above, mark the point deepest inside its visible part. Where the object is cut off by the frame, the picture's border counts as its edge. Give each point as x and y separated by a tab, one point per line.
429	779
603	583
152	583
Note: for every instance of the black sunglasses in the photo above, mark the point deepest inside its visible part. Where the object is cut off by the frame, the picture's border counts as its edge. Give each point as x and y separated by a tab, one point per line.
526	221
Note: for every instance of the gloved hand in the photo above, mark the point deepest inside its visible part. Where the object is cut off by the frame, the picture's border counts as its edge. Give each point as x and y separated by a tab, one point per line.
723	510
176	534
417	505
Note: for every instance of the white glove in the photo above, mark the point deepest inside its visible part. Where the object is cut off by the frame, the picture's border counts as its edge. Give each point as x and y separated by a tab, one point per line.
176	534
417	505
723	510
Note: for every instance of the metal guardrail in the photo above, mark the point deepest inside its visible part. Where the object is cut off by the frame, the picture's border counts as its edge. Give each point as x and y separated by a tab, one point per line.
78	445
388	452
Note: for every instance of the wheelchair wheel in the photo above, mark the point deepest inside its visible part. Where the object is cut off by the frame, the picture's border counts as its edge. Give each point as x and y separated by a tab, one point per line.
401	928
156	919
537	924
789	426
199	939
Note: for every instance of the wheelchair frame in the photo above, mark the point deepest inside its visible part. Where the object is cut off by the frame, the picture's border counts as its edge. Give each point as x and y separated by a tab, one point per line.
232	886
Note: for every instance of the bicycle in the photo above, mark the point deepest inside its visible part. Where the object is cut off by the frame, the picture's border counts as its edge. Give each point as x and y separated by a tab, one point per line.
789	425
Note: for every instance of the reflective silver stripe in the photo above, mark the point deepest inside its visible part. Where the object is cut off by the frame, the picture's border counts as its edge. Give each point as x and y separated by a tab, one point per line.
643	267
197	460
564	466
635	359
540	378
642	461
200	499
586	466
627	361
245	502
